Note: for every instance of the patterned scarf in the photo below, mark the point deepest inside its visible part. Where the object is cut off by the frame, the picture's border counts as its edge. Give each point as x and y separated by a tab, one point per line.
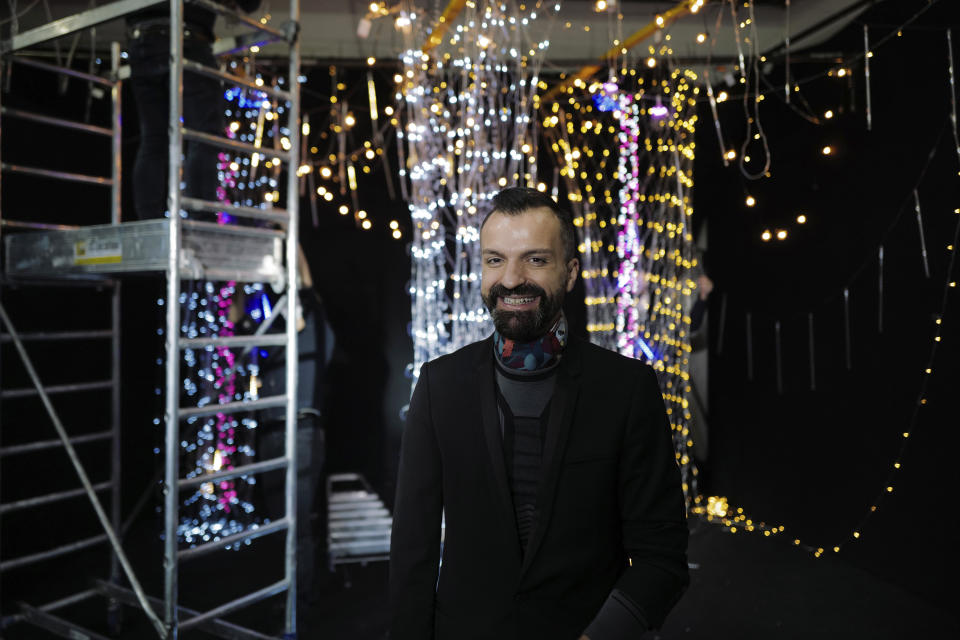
540	354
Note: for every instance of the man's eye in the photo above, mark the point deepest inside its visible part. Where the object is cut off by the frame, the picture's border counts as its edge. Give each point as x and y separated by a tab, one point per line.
537	260
492	261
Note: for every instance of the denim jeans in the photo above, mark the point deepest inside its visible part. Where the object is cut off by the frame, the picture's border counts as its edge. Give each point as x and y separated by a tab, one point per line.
203	107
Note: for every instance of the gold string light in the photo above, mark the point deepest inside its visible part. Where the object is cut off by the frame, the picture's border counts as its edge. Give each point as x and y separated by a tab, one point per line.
623	145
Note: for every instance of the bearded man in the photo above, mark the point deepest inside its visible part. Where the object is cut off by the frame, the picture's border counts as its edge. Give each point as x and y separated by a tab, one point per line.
550	458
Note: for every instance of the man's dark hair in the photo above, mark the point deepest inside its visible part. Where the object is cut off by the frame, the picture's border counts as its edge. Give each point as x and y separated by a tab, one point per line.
513	201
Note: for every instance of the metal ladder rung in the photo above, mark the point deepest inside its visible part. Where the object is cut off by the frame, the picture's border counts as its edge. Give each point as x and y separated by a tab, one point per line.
356	514
348	496
358	559
348	507
242	42
37	64
50	497
272	215
353	548
233	605
251	534
227	143
57	625
80	596
59	175
40	445
221	628
247	469
360	524
346	477
56	122
237	406
44	336
354	535
58	388
13	563
271	340
345	505
204	70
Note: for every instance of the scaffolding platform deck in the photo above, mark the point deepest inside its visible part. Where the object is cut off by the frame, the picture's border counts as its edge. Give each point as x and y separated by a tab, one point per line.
209	251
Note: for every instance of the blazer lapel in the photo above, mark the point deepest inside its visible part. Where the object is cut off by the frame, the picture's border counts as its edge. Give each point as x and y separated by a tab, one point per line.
494	439
558	428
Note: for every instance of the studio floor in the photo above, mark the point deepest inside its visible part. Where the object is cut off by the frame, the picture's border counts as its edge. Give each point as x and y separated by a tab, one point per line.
743	586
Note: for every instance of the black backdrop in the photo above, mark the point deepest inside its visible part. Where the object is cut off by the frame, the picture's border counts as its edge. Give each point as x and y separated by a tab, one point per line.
810	461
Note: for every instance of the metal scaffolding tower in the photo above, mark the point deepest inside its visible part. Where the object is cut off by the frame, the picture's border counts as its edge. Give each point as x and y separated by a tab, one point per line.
179	249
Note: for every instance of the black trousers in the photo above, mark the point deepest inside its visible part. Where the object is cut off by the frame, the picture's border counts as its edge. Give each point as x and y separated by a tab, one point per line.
203	107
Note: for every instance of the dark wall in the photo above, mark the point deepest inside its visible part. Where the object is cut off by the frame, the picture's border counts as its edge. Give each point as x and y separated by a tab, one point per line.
815	461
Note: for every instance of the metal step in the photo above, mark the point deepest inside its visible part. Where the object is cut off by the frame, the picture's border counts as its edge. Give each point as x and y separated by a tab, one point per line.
367	523
359	514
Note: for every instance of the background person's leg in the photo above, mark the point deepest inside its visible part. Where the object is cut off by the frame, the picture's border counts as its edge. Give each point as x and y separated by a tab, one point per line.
150	166
203	105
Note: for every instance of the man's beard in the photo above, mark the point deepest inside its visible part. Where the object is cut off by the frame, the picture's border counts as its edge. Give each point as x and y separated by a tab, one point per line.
524	326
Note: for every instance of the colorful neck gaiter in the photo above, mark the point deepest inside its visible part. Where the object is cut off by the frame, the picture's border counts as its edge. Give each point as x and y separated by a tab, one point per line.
540	354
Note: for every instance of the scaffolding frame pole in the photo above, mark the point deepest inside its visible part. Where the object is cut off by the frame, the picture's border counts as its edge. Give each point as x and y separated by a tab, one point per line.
171	497
116	215
292	355
1	326
72	24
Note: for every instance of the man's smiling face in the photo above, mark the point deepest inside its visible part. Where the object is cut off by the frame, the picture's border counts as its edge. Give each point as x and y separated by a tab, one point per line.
525	274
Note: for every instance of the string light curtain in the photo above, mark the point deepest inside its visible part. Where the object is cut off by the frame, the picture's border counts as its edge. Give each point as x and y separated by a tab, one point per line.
583	137
216	374
467	129
634	202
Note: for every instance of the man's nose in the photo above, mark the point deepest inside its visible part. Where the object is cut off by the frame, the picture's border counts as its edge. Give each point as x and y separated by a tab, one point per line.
513	276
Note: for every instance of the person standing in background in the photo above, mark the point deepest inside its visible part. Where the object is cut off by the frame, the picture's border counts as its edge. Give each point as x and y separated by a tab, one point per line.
148	47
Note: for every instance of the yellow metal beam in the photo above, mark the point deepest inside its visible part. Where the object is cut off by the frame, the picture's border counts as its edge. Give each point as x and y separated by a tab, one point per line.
443	23
662	21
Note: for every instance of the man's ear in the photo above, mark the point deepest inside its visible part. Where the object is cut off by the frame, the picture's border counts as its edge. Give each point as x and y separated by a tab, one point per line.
573	268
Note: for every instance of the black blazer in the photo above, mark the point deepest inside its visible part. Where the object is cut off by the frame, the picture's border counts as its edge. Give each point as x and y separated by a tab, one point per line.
610	507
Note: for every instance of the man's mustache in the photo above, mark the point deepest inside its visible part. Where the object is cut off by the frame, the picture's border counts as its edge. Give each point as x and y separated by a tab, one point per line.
526	289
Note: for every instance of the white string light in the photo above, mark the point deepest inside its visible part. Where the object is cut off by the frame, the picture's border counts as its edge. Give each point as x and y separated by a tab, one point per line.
467	131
